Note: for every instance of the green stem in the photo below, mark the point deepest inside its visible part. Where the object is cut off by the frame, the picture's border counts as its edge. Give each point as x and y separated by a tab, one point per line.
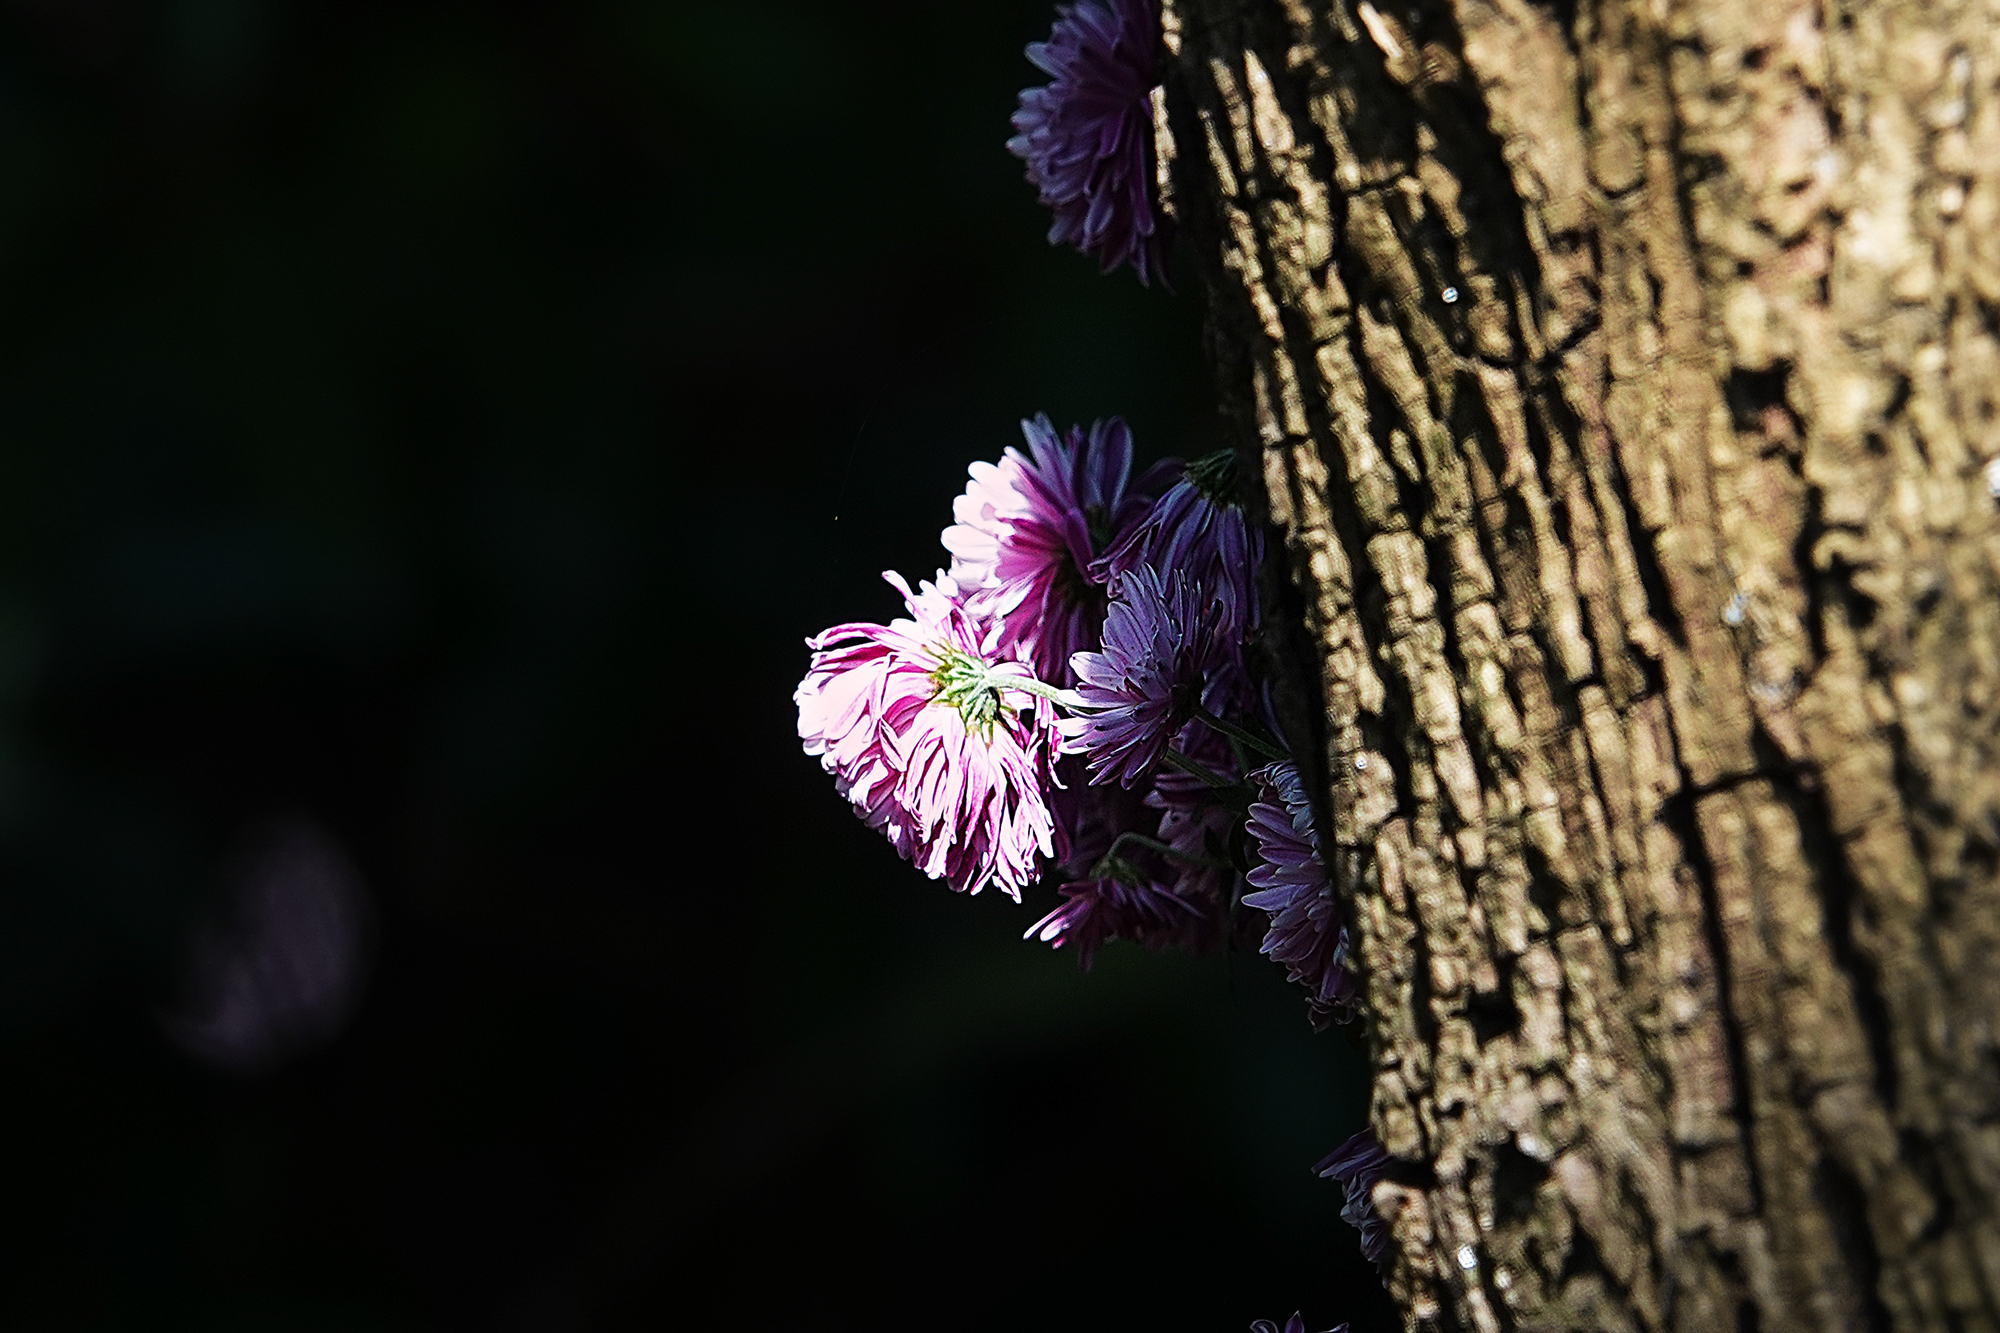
1039	688
1163	849
1260	744
1175	759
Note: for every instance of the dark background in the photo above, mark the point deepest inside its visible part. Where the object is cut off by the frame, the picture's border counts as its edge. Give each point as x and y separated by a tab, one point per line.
441	423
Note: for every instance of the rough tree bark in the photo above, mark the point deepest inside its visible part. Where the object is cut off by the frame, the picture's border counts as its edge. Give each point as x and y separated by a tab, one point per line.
1624	381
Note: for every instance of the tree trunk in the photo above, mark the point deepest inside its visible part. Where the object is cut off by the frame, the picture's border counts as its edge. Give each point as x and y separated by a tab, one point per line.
1625	384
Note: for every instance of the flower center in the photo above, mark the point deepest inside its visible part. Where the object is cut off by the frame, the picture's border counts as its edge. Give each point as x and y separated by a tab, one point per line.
1097	524
1074	588
1214	476
963	683
1112	866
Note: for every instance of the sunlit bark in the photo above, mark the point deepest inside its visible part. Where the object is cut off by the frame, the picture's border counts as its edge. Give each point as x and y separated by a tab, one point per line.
1624	383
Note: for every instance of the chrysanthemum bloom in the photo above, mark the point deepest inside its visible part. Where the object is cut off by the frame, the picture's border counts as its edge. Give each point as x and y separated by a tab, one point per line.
1296	1324
911	721
1306	934
1118	887
1087	136
1202	864
1162	654
1357	1164
1199	528
1203	831
1125	902
1029	528
1091	818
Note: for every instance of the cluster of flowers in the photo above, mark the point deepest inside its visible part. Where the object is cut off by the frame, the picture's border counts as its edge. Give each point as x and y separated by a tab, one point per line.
1073	695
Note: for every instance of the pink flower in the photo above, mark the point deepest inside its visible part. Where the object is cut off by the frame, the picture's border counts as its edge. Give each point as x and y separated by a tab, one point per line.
1029	528
914	721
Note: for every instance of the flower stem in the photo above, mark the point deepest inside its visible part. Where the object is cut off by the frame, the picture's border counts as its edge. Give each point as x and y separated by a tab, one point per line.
1163	849
1039	688
1261	744
1175	759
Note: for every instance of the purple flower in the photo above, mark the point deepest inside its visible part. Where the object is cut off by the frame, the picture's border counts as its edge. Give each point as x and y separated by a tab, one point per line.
1203	830
1306	934
1123	902
1199	528
1203	866
1357	1164
910	719
1029	529
1087	137
1162	655
1116	890
1296	1324
1091	819
1176	789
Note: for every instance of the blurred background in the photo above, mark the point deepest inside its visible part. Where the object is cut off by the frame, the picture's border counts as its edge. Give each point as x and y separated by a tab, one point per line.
427	432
